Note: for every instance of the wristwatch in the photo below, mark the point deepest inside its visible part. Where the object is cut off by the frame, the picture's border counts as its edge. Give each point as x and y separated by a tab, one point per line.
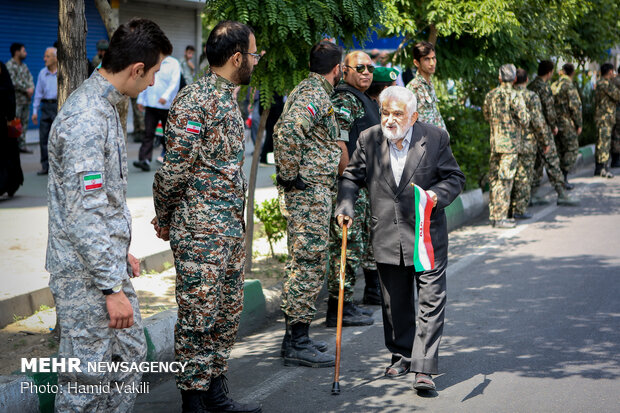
116	289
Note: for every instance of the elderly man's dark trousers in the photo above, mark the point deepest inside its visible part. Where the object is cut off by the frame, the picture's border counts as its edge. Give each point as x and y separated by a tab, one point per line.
399	284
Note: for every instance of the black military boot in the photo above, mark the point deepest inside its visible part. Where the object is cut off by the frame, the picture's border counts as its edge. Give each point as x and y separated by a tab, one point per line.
597	168
216	399
372	290
191	401
567	185
350	316
301	352
615	160
286	341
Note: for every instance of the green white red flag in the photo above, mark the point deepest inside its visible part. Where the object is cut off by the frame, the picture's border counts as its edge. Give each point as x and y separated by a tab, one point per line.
423	255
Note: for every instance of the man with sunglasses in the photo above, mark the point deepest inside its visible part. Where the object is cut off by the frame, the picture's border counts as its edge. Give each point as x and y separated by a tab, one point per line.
422	86
355	112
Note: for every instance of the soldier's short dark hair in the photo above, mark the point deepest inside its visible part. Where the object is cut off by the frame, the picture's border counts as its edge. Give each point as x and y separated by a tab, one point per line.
324	56
422	49
16	47
568	69
521	76
227	38
137	41
190	47
606	68
545	67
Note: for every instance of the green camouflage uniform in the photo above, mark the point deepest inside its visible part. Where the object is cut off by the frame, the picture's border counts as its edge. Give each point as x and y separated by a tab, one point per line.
615	138
88	243
606	97
200	194
549	160
535	135
22	81
428	103
568	109
348	109
507	115
305	147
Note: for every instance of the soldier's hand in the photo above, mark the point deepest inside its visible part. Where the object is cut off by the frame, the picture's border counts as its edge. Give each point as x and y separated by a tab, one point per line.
35	118
579	131
120	310
555	131
161	232
344	219
546	149
140	107
162	101
30	92
135	265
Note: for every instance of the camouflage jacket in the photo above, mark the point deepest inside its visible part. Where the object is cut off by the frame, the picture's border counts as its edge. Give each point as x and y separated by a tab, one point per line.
507	115
348	109
606	97
537	133
617	83
22	81
89	222
543	90
428	109
567	101
201	186
305	136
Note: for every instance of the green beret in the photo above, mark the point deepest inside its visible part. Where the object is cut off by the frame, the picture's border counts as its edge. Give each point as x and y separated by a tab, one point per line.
384	74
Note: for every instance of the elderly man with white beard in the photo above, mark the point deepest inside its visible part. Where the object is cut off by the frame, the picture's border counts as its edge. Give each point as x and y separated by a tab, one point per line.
411	176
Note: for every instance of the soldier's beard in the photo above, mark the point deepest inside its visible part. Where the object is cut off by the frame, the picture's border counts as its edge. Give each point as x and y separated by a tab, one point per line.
244	74
393	135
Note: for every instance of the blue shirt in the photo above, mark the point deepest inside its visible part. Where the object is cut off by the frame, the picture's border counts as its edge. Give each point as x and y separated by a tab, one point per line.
47	87
398	157
166	86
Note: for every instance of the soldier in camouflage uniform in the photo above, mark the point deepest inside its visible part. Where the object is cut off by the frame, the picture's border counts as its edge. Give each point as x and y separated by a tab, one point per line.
307	156
90	224
421	85
350	102
507	115
199	196
606	97
546	153
24	89
615	137
570	121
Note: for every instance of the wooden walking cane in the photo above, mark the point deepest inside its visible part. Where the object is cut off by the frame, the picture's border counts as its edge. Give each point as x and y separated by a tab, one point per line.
343	261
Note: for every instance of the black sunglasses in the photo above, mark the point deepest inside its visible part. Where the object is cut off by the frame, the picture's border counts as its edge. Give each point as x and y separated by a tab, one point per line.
361	68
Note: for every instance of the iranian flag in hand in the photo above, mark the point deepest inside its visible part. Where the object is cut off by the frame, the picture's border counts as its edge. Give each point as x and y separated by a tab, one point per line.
423	255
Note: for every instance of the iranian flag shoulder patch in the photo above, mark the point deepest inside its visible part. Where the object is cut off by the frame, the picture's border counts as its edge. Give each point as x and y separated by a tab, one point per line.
92	181
312	109
193	127
423	252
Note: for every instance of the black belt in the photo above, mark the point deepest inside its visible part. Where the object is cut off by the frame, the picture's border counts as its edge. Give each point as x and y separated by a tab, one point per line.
49	100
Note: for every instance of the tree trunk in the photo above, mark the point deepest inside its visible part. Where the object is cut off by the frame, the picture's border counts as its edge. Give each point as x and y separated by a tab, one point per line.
110	18
249	220
432	36
72	61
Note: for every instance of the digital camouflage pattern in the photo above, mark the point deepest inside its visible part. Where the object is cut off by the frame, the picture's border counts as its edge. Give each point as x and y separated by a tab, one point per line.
568	110
507	115
348	109
543	90
536	134
22	81
209	293
200	194
615	139
88	241
428	103
305	146
606	98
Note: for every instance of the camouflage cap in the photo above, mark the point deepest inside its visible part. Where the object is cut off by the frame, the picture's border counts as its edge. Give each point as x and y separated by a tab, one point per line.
102	44
508	72
384	75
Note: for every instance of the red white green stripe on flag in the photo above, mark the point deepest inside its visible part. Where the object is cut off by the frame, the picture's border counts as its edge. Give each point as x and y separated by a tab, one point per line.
423	253
92	181
312	109
193	127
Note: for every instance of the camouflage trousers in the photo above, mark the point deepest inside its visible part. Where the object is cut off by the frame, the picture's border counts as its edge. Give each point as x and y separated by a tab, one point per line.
138	117
209	293
551	162
502	169
520	195
615	137
307	214
23	113
603	142
83	318
357	246
567	145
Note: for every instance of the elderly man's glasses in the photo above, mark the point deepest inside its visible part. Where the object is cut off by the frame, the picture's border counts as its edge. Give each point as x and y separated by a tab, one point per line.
361	68
255	55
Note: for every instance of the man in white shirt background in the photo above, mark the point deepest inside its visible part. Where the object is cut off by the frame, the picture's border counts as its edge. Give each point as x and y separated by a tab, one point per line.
155	101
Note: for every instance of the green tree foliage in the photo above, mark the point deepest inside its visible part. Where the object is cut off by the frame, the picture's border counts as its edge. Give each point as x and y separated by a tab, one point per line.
287	30
275	224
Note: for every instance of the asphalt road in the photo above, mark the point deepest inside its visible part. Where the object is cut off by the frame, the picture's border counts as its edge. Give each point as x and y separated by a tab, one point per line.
533	325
